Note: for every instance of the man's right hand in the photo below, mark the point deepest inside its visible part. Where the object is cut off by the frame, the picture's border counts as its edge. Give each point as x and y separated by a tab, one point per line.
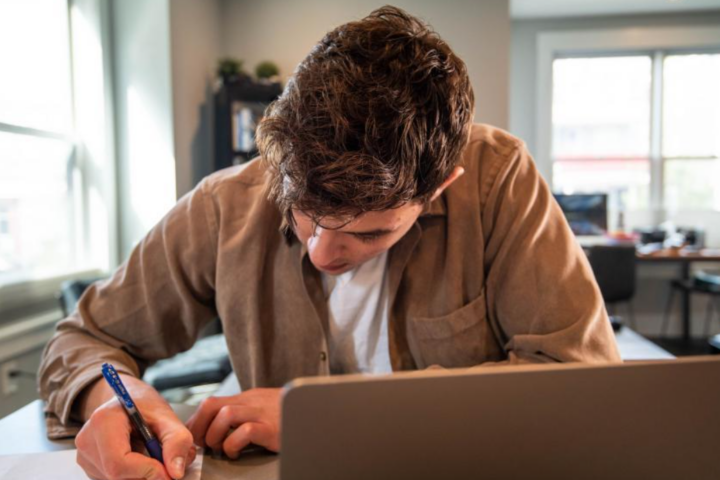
104	443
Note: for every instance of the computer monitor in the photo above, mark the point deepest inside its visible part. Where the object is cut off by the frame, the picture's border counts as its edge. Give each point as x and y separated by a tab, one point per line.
585	212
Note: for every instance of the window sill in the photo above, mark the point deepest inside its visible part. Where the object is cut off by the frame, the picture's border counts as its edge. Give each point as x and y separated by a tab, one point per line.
27	299
27	334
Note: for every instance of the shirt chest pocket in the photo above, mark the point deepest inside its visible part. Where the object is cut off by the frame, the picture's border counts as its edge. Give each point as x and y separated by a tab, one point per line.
462	338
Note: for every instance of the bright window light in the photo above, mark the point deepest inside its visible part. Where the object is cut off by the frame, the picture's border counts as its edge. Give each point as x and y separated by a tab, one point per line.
601	127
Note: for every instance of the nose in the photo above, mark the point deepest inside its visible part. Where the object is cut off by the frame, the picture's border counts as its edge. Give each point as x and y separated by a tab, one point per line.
325	247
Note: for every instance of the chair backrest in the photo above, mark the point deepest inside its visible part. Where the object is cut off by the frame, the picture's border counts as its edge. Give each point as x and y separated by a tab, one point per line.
70	293
615	271
707	278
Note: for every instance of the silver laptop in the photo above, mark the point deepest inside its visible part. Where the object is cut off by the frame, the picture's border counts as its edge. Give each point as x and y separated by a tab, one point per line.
644	420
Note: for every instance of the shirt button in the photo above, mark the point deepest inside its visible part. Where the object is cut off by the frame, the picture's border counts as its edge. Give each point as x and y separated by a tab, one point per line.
323	356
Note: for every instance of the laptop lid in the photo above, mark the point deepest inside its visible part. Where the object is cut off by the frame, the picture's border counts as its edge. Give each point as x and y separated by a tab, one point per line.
657	420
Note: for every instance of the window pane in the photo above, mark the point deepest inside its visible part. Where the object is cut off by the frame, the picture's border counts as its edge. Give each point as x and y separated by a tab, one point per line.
601	107
36	205
691	115
601	128
627	180
692	184
34	48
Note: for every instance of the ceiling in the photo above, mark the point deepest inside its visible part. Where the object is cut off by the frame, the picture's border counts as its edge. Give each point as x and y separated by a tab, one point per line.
524	9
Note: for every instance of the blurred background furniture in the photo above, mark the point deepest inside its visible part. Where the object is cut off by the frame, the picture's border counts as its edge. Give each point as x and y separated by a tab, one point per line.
615	268
685	284
586	213
704	283
239	107
714	343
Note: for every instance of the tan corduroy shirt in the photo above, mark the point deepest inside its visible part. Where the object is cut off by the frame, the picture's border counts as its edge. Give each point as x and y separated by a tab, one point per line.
490	272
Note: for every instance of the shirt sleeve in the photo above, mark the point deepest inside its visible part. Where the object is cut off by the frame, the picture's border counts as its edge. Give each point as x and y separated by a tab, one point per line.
543	301
152	307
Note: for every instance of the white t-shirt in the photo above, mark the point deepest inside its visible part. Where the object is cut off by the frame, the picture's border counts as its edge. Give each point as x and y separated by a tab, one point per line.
358	316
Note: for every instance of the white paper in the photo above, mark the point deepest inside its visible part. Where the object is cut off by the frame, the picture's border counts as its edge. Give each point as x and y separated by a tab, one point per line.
61	465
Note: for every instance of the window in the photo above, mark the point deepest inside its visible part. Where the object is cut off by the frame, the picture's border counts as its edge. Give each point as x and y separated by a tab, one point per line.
691	131
38	179
601	127
57	180
4	221
614	116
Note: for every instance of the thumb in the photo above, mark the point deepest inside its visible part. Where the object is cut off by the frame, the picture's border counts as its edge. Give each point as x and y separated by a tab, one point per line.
177	441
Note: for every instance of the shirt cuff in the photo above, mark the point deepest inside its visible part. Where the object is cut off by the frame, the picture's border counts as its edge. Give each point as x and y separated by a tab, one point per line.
60	403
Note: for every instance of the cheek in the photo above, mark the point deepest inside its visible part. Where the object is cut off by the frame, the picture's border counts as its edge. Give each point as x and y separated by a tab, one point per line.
366	251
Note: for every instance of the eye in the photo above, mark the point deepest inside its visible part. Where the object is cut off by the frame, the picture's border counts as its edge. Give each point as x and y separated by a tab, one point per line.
367	238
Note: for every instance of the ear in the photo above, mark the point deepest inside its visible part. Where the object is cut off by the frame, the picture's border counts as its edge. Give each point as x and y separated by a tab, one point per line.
454	175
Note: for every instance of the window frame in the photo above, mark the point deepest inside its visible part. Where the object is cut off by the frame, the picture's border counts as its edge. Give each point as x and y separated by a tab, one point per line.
656	42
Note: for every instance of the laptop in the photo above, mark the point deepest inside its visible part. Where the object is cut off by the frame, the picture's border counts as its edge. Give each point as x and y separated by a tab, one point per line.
643	420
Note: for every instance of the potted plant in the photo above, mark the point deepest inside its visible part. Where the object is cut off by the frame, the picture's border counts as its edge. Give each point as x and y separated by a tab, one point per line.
230	70
267	71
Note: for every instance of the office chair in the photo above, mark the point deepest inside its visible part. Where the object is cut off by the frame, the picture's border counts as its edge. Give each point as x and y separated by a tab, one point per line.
206	362
702	282
71	291
614	267
714	343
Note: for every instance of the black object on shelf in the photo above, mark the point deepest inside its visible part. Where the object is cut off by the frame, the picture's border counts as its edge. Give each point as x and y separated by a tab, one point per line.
239	107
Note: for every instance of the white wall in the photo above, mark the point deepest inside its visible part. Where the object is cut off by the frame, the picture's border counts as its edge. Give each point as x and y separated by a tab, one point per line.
195	47
144	119
284	32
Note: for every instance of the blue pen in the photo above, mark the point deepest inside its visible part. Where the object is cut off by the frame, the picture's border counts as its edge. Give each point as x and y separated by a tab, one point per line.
151	442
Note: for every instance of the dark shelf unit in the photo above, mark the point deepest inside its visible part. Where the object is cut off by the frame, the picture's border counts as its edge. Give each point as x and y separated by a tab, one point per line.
230	101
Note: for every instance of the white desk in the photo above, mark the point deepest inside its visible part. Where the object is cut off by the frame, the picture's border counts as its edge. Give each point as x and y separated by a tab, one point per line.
636	347
24	432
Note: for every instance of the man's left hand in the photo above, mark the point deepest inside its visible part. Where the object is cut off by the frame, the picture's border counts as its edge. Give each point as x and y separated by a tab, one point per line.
254	415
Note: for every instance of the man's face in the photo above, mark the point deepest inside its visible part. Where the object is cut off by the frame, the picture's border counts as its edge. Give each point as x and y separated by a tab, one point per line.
335	248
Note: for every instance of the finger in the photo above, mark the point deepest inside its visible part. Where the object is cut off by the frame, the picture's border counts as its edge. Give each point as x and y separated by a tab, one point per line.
192	454
229	416
177	441
134	465
111	442
116	460
204	415
251	432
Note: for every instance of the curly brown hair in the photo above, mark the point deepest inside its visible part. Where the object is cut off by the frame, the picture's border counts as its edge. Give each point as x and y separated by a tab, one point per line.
374	117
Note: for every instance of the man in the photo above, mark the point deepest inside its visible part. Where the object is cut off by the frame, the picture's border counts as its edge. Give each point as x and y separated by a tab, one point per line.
380	231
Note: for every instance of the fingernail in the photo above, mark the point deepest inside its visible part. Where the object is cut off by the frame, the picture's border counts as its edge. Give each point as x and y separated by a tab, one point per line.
179	466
